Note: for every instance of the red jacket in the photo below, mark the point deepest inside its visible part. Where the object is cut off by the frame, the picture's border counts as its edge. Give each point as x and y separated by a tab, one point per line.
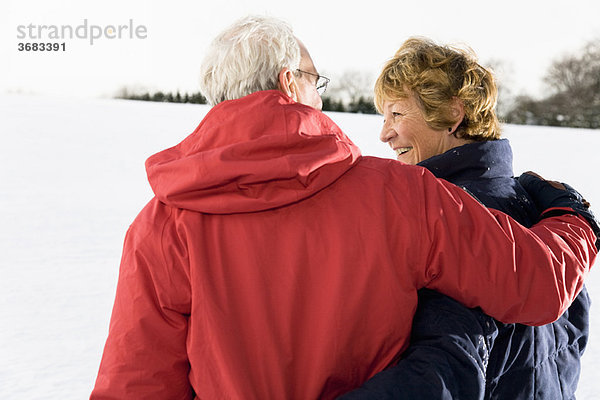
277	263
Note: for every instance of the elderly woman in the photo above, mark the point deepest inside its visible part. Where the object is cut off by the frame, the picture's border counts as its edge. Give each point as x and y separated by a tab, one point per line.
438	105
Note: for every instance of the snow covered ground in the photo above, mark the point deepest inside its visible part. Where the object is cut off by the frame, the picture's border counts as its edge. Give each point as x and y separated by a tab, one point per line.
71	181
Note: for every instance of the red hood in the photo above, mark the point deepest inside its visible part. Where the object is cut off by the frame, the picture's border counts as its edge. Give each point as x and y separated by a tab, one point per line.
252	154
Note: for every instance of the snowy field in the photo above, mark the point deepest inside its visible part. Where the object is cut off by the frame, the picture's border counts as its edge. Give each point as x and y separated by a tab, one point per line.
72	179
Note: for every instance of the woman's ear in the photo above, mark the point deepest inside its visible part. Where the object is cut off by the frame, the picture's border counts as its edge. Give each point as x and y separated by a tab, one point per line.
287	83
457	111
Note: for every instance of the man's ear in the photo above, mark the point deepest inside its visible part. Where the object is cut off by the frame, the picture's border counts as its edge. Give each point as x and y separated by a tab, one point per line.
287	83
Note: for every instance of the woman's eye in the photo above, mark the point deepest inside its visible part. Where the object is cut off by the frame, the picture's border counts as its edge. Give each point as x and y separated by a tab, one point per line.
396	114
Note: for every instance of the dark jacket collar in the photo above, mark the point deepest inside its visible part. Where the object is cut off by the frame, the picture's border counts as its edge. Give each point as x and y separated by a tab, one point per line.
490	159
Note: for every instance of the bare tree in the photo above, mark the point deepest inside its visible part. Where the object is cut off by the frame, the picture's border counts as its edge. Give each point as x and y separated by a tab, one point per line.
577	74
352	85
574	100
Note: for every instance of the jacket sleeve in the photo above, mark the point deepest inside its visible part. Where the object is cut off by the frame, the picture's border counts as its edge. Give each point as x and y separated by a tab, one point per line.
145	353
484	258
450	344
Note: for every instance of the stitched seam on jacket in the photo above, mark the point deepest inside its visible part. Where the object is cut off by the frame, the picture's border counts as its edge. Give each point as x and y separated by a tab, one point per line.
560	382
535	370
493	383
556	354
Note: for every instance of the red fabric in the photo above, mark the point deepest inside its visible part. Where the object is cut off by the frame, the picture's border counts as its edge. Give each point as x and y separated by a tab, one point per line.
277	263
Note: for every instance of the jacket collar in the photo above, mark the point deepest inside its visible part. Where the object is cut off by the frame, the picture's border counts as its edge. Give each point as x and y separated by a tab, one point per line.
490	159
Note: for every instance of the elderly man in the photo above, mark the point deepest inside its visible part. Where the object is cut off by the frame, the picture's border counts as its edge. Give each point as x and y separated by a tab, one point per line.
275	262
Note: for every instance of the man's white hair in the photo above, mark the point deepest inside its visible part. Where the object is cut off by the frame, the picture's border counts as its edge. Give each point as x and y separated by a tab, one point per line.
247	57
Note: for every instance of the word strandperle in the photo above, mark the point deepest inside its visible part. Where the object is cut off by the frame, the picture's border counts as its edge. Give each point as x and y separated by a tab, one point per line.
83	31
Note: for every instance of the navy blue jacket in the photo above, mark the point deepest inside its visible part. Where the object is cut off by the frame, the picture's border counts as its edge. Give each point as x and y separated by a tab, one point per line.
461	353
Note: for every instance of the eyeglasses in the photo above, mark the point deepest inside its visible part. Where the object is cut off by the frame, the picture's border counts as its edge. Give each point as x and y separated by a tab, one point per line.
321	83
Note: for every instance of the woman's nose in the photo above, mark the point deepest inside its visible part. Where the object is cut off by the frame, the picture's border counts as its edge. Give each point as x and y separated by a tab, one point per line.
386	133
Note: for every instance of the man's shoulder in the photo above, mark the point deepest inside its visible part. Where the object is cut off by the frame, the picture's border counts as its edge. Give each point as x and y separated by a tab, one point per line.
390	169
153	217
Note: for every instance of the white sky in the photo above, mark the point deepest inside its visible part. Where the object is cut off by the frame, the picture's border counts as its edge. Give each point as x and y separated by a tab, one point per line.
341	35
